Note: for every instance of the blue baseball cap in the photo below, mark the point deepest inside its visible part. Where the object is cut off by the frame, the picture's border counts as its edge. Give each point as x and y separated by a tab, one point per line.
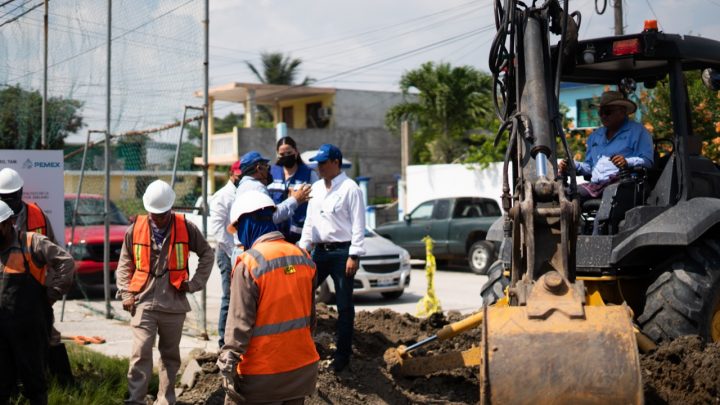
327	152
248	160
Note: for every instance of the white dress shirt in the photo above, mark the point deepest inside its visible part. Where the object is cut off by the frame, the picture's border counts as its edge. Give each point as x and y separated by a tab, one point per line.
220	217
335	215
283	211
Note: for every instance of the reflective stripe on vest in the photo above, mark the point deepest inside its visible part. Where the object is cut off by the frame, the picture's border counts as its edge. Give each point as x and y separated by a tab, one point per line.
35	219
281	339
16	264
178	254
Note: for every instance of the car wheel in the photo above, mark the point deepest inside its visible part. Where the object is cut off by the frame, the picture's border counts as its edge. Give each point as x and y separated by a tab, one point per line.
324	295
480	256
392	295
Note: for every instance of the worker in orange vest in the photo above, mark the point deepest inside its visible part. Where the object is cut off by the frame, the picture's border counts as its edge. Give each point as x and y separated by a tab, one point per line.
269	354
152	279
33	271
29	217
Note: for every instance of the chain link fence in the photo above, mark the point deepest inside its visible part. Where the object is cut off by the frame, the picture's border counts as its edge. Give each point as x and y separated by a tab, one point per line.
156	68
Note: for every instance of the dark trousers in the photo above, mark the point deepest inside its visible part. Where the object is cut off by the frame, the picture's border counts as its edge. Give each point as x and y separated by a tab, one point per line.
332	263
22	357
225	266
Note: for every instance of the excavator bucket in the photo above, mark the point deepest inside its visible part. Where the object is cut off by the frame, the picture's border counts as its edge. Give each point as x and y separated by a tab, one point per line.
554	350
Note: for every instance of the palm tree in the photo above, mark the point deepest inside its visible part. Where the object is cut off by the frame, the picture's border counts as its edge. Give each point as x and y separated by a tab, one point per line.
278	69
451	102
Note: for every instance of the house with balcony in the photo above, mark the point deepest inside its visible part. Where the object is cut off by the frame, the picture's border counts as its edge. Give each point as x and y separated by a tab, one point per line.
354	120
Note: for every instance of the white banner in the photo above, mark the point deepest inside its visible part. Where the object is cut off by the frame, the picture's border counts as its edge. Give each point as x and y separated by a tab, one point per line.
42	172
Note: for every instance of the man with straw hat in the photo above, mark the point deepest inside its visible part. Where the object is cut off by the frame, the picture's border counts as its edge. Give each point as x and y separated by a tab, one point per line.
619	143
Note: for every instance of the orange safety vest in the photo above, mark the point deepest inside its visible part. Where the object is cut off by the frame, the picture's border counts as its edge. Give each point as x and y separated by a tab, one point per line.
16	262
281	340
36	219
177	255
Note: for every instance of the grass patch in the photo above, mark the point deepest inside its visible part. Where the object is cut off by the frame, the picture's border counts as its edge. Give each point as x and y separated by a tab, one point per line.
100	380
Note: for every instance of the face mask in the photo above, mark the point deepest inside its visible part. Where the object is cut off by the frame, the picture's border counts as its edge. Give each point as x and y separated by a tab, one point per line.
287	161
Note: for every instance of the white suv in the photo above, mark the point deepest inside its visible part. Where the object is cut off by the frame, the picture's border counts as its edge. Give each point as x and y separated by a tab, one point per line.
384	269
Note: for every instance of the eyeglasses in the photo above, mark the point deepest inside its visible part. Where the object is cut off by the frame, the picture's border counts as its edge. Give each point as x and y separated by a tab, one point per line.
608	110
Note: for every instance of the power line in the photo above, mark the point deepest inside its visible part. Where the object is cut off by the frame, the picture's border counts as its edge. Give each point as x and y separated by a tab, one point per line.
112	39
21	14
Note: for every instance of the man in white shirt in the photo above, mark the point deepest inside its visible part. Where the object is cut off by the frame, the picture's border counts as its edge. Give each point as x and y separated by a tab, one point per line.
335	232
219	220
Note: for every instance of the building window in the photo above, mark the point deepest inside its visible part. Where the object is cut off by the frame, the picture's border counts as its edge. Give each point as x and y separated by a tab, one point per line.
313	118
287	117
587	113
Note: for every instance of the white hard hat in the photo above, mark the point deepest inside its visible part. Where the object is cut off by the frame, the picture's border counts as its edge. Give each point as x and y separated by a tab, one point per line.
248	202
159	197
10	181
5	211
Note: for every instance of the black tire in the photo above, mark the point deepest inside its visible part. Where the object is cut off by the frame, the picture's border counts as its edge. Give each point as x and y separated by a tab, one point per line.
392	295
494	288
685	298
480	256
324	295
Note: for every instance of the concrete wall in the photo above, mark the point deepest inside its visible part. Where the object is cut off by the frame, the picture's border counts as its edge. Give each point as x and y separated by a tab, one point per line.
428	182
362	109
375	149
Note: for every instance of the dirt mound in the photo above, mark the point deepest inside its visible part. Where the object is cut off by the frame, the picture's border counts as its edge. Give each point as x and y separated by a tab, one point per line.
684	371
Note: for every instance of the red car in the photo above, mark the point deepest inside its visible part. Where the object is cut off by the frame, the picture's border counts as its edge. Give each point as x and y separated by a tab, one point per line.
89	236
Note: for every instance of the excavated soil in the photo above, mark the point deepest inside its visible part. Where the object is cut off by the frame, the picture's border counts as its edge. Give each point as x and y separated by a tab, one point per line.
682	372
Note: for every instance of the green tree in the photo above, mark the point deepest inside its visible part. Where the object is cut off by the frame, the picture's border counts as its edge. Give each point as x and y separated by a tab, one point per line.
705	113
278	69
20	119
452	101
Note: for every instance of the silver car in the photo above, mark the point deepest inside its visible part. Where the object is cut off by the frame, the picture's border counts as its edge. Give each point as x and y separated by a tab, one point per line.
384	269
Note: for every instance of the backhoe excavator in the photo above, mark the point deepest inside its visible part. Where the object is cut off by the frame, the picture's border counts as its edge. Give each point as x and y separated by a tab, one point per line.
551	337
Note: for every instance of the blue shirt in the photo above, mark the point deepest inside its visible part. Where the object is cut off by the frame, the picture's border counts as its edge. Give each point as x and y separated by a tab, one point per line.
632	141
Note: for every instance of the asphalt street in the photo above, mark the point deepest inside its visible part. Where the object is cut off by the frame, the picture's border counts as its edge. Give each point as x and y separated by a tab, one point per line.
457	290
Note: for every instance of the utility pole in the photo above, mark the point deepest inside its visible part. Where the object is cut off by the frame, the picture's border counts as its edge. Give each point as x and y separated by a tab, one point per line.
43	131
108	111
618	11
404	162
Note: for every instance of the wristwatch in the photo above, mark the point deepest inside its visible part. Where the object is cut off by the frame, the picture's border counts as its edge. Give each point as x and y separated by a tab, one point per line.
354	257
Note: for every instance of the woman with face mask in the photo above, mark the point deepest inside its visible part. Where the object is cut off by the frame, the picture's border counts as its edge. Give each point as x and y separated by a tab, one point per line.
290	172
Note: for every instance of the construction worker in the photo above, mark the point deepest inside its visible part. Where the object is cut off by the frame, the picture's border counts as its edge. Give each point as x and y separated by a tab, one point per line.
152	279
256	176
335	231
217	226
29	217
33	271
269	354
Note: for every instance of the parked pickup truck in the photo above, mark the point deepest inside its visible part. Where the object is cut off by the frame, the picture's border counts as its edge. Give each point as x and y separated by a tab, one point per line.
457	225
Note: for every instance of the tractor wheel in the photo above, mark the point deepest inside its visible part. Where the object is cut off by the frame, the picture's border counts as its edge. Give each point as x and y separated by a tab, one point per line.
494	288
685	298
480	256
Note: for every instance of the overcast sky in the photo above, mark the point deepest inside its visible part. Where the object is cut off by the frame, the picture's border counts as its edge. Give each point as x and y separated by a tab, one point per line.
333	37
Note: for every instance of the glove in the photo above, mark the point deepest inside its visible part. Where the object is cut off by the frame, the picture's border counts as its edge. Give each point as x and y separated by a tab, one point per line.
185	286
227	363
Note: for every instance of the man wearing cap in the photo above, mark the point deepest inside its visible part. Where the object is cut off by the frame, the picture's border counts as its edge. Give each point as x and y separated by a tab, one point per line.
152	279
269	355
256	176
335	230
619	143
30	217
33	271
217	226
